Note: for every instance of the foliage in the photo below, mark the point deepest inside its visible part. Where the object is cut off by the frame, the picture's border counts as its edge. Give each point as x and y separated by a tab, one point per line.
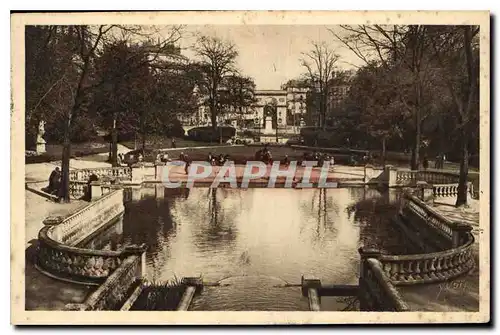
160	296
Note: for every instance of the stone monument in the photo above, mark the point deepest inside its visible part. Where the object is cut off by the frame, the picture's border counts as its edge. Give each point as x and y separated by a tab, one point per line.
268	126
40	142
268	120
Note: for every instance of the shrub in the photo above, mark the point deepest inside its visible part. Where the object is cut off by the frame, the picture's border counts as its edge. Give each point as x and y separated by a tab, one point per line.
208	134
164	296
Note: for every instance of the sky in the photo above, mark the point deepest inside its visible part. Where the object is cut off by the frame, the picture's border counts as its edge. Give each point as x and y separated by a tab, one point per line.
271	53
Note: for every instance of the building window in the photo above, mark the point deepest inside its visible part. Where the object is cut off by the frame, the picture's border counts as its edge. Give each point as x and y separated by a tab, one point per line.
282	99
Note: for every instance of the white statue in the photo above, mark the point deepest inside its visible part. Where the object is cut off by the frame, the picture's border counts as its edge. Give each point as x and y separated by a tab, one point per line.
41	131
40	142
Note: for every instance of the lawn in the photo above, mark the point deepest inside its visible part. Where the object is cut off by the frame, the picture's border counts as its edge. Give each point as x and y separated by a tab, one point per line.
54	151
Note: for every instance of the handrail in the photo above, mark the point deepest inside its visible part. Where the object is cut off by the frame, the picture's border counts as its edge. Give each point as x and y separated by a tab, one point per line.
436	220
58	254
377	292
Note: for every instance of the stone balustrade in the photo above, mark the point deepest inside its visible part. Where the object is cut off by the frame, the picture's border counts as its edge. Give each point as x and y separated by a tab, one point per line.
429	268
437	177
58	255
429	216
448	190
77	189
439	266
411	177
406	177
115	290
86	220
376	290
121	173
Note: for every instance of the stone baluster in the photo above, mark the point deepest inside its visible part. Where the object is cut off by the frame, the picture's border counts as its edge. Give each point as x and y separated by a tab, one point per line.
460	232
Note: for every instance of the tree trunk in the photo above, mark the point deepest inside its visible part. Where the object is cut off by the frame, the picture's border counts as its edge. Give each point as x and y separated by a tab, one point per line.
114	144
66	155
464	170
213	115
383	152
143	142
415	161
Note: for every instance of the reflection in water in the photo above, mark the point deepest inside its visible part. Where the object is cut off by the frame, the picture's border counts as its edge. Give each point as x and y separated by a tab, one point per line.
257	233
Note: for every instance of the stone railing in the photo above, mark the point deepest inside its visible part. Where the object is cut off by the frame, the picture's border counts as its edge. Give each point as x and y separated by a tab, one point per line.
86	220
429	268
121	173
430	217
406	177
376	290
77	188
116	290
449	190
437	177
445	264
58	255
401	177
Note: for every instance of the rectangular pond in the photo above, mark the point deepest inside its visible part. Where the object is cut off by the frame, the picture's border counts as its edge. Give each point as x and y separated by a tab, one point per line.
255	243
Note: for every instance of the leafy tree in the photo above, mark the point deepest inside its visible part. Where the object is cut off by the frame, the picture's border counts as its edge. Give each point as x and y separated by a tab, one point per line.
404	47
457	51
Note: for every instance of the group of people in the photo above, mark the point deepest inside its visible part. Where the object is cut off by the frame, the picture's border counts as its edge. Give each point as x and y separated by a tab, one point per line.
319	157
264	155
438	163
217	160
162	157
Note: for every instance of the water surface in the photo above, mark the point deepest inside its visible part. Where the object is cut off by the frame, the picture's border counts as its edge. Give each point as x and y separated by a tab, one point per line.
254	242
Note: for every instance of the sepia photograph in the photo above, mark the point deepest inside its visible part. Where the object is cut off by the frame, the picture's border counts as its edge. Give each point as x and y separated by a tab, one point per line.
329	163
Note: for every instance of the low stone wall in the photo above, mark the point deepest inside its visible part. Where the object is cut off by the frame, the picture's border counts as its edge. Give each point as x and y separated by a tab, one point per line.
58	255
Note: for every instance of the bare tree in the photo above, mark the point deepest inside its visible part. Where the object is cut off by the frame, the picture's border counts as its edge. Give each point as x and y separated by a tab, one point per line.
320	64
395	46
217	61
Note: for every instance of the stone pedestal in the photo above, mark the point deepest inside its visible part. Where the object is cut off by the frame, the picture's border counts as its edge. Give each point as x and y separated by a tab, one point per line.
40	146
138	173
368	173
390	175
268	126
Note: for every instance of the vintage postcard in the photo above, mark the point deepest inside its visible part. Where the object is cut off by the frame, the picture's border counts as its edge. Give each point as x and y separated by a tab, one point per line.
250	167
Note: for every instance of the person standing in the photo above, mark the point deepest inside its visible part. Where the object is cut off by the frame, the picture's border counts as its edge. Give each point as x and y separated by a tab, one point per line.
173	143
187	163
443	160
437	163
425	163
